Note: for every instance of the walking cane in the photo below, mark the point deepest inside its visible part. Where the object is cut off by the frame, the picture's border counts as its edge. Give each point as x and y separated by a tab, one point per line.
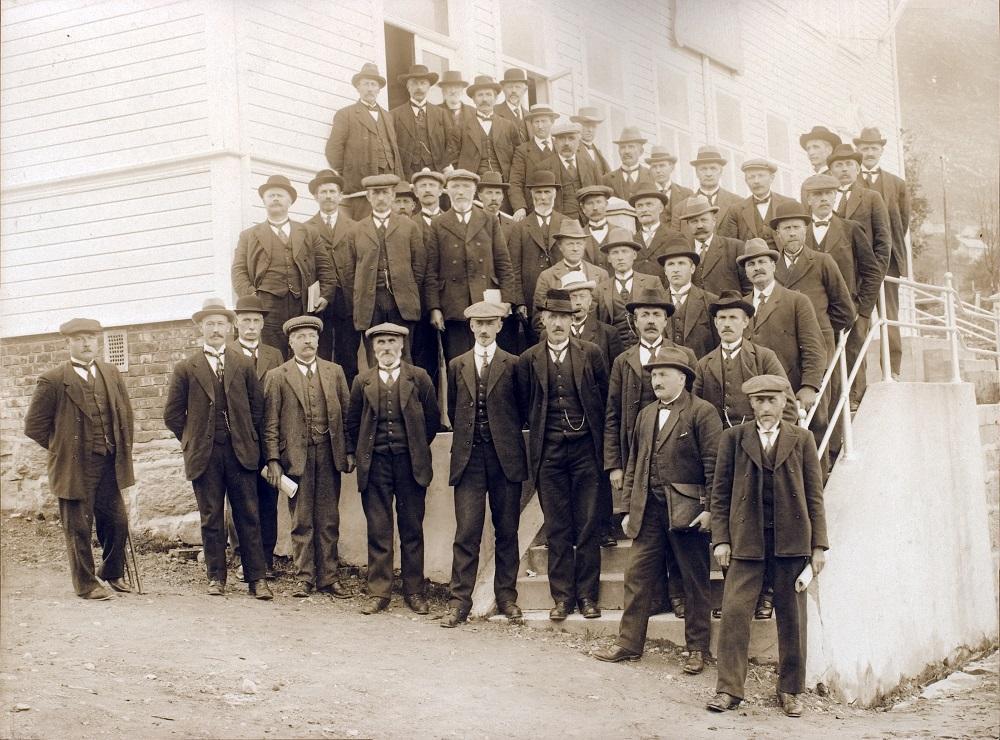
442	389
132	565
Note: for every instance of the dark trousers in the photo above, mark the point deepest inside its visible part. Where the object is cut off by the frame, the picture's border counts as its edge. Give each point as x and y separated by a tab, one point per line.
104	507
892	313
279	310
568	494
392	476
743	582
225	477
457	339
339	340
646	567
851	351
508	338
315	514
424	348
484	477
267	512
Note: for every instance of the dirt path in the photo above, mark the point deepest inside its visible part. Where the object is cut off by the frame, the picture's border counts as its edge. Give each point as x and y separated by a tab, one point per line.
177	663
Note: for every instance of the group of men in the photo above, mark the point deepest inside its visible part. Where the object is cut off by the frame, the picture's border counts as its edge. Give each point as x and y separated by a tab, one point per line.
659	366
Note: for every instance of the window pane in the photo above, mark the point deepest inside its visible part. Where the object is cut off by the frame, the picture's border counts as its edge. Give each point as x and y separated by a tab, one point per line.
521	32
673	94
730	118
604	70
432	14
777	138
435	63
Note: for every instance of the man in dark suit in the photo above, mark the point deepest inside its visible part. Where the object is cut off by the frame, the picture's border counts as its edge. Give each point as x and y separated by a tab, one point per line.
861	204
487	460
614	295
304	410
690	325
363	140
666	505
563	383
214	407
708	166
428	187
466	255
486	140
387	264
719	270
652	235
425	134
572	171
593	200
81	414
514	86
631	175
767	512
533	244
589	119
585	325
278	260
536	153
818	144
392	421
572	245
750	217
661	167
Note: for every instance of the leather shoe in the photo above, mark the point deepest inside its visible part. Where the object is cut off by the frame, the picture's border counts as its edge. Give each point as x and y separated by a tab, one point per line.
302	590
717	613
120	585
454	617
695	663
417	603
609	540
216	588
98	593
615	654
560	611
375	604
271	574
722	702
511	610
765	608
677	606
791	704
337	590
589	610
260	590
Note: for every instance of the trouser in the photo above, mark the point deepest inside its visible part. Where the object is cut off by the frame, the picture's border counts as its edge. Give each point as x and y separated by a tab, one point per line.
567	491
392	476
851	352
279	309
739	599
267	512
315	515
892	313
457	339
484	477
339	340
386	312
103	506
224	477
424	348
508	338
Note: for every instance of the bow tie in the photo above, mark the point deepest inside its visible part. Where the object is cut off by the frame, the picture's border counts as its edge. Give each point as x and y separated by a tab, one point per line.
419	106
598	227
875	171
481	117
845	191
821	223
762	200
307	365
389	369
666	405
372	108
83	365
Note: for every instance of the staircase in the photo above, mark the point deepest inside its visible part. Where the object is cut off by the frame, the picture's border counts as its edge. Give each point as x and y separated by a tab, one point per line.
989	435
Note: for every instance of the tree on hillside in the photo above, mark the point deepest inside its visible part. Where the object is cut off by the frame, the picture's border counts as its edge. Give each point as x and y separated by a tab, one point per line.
985	273
919	207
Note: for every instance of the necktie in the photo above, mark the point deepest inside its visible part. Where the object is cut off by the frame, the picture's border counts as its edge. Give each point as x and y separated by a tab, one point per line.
730	352
419	111
308	366
760	305
371	108
517	113
280	231
484	364
545	147
249	351
701	247
88	368
678	298
380	228
389	380
557	354
577	329
768	439
571	169
623	290
845	195
326	218
650	351
219	363
760	201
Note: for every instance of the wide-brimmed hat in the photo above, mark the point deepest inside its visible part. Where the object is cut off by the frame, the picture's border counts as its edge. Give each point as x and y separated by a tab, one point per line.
677	246
730	299
556	300
820	182
249	304
708	155
756	248
481	82
428	174
570	229
787	212
565	128
302	322
630	135
588	114
369	71
386	328
869	135
515	74
843	151
819	132
766	385
80	326
325	177
542	179
585	192
418	72
695	206
452	77
540	109
213	307
612	243
492	179
660	154
576	280
647	191
759	163
673	357
278	181
380	181
652	298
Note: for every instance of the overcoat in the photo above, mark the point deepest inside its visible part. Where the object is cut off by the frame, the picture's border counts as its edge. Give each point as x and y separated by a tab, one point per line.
816	276
848	244
741	222
699	332
531	253
787	324
351	148
718	271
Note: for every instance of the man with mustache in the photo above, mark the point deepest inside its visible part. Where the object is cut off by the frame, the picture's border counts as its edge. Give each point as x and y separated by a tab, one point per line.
589	119
661	167
537	153
750	217
573	172
615	294
719	270
818	144
424	132
690	324
486	140
708	166
631	175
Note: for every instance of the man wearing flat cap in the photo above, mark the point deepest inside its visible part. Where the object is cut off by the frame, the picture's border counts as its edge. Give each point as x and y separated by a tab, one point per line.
514	86
573	172
363	138
466	256
278	260
304	438
718	270
631	175
708	166
749	219
562	383
392	421
486	140
487	462
665	499
214	407
767	513
590	118
690	324
612	296
537	153
425	134
572	241
428	186
81	414
652	235
661	167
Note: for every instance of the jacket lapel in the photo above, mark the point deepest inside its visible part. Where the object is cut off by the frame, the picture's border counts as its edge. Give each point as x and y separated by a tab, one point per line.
541	363
695	306
712	258
297	382
672	418
633	360
469	373
477	220
536	233
371	389
405	385
326	382
450	222
854	199
404	115
751	445
578	362
786	443
73	389
715	361
496	370
765	312
362	114
747	212
203	372
296	237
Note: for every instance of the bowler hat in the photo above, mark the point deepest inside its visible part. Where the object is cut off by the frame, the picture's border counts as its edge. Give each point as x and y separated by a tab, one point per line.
766	385
708	155
730	299
576	280
677	246
566	128
652	298
386	328
278	181
462	175
673	357
570	229
756	248
302	322
585	192
647	191
452	77
542	179
80	326
325	177
426	173
492	180
249	304
612	243
369	71
820	182
482	82
486	310
630	135
556	300
695	206
404	188
787	212
759	163
660	154
515	74
588	114
869	135
819	132
213	307
379	181
843	151
540	109
418	72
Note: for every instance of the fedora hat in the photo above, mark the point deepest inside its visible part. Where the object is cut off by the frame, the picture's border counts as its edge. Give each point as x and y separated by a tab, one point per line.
278	181
677	246
787	212
652	298
612	243
570	229
585	192
819	132
588	114
452	77
542	179
404	188
428	174
540	109
708	155
843	151
730	299
673	357
419	72
302	322
565	128
695	206
325	177
647	191
515	74
368	71
482	82
213	307
869	135
759	163
756	248
249	304
80	326
660	154
556	300
630	135
492	179
576	280
820	182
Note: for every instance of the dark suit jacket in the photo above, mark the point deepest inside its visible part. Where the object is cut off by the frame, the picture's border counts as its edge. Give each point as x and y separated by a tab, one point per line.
897	200
531	254
685	450
253	257
442	137
599	333
593	253
725	200
671	215
755	360
590	376
57	420
502	408
847	243
351	148
407	267
189	412
737	506
718	270
566	200
645	261
699	329
787	324
615	179
421	420
336	244
528	158
470	140
552	277
456	119
286	435
867	208
741	224
463	261
817	276
604	299
597	157
521	127
268	357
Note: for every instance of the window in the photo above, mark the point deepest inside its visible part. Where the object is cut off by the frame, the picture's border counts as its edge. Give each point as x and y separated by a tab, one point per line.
403	49
679	144
522	32
604	66
672	94
729	118
429	14
777	138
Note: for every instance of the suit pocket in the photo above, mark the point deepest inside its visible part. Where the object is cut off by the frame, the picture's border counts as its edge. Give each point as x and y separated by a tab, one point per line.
684	504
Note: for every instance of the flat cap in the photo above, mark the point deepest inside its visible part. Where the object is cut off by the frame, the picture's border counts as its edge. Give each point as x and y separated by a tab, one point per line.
766	385
588	190
820	182
80	326
379	181
426	173
486	310
462	175
759	163
566	128
386	328
302	322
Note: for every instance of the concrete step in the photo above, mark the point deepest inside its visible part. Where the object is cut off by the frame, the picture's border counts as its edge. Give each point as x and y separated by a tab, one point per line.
533	591
613	559
763	634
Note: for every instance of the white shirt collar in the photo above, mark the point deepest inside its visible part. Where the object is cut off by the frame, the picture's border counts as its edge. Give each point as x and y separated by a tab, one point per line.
381	216
541	143
415	104
707	243
767	291
543	215
384	373
212	351
489	349
331	217
681	290
625	278
304	366
249	345
713	191
651	228
557	347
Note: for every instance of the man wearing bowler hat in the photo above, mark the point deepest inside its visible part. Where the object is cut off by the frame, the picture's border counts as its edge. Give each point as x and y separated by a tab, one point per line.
563	383
750	217
486	140
214	407
631	175
514	86
487	462
453	91
614	295
81	414
392	421
767	511
304	438
537	153
492	192
708	166
278	260
661	167
363	139
652	235
690	324
861	204
589	119
718	270
665	499
424	133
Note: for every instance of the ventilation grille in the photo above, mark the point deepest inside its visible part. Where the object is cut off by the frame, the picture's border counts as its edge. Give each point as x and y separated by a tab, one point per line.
116	349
